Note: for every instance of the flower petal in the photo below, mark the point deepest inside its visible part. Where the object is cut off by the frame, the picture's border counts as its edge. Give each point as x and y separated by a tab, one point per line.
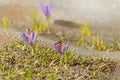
59	48
66	46
25	38
33	38
51	7
47	10
42	8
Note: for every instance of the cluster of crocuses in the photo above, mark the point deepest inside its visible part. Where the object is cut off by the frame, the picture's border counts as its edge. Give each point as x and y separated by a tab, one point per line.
30	37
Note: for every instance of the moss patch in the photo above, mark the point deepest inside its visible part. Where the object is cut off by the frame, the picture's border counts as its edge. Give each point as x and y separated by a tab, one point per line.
19	61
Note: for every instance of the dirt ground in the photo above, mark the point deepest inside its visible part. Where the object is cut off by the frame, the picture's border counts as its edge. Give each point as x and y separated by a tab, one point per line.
14	35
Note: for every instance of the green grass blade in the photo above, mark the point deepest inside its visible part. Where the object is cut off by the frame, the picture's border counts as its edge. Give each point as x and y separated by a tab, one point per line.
5	23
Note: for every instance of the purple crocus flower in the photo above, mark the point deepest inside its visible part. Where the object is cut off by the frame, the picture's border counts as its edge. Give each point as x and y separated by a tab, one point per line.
47	10
61	47
30	37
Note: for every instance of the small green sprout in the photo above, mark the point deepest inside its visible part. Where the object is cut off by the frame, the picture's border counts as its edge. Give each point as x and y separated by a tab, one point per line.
84	32
67	56
39	27
97	43
29	74
51	77
5	23
36	23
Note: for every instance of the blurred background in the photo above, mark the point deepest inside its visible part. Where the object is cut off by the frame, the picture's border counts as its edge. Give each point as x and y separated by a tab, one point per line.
102	15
